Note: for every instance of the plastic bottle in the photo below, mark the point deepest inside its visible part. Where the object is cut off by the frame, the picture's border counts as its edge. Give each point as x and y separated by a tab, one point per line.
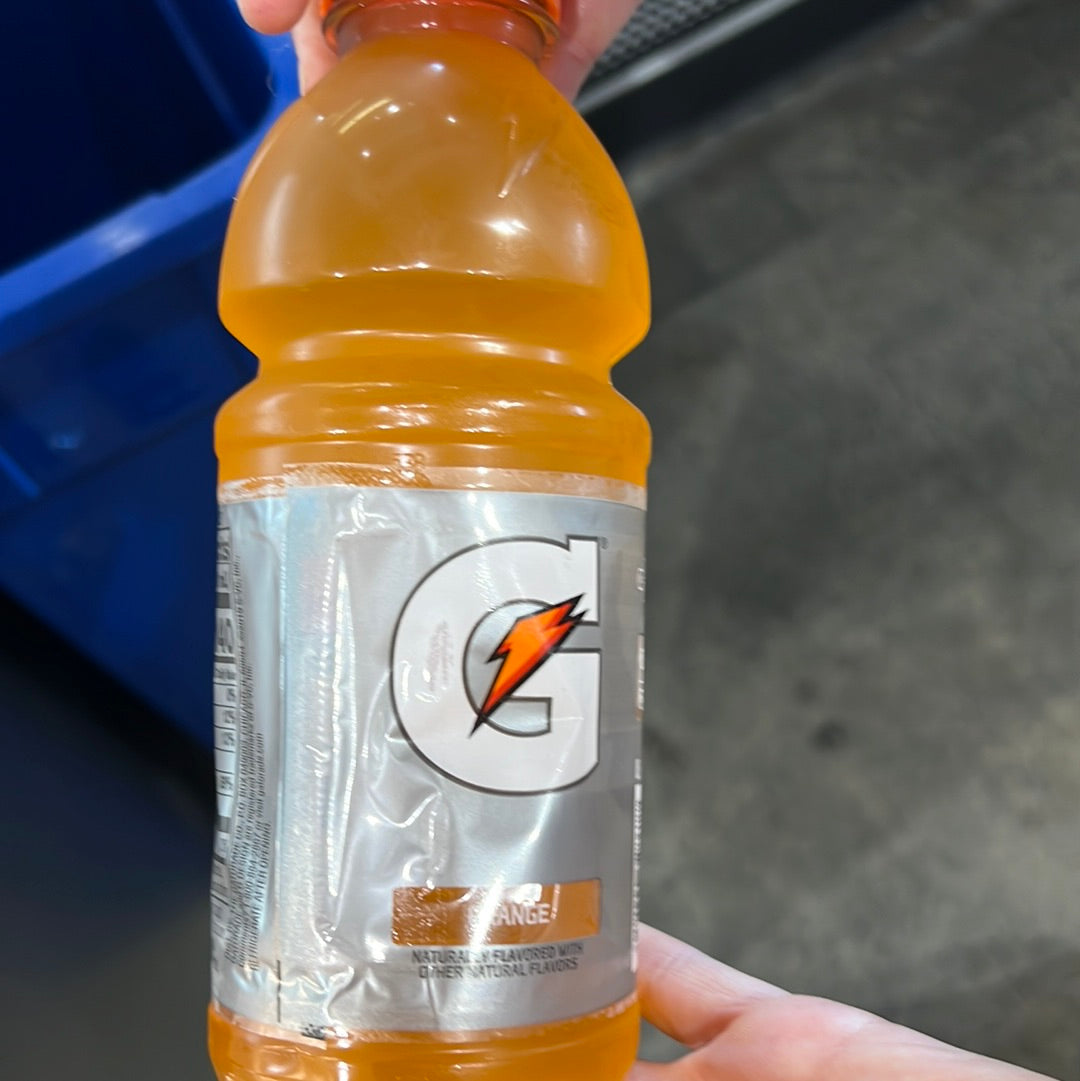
431	573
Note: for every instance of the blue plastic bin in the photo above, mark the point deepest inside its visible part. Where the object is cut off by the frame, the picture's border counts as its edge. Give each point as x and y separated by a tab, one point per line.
127	136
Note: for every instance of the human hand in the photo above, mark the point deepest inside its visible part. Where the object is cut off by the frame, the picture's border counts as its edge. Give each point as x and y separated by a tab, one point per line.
740	1029
589	27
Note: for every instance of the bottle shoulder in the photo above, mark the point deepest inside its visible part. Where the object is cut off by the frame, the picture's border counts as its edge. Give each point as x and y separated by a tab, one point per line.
436	185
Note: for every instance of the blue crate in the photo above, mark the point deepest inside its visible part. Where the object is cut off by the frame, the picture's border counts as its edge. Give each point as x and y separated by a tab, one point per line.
132	125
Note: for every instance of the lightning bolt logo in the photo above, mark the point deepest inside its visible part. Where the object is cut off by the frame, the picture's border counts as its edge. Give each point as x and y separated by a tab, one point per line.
527	645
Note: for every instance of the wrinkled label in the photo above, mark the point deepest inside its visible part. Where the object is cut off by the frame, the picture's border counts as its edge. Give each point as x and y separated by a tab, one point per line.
428	729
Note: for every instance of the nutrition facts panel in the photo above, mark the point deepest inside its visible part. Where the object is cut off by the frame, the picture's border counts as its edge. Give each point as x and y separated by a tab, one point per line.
226	701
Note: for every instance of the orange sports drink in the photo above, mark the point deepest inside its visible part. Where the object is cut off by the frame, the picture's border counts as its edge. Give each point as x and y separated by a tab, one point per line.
430	583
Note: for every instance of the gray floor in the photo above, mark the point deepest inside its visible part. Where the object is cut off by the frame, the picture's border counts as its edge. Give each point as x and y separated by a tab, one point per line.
864	729
864	719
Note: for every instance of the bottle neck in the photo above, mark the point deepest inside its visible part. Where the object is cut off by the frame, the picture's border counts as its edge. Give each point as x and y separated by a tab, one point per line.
530	26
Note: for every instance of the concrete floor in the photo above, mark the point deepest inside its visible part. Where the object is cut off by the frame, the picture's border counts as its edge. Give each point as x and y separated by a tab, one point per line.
864	719
864	725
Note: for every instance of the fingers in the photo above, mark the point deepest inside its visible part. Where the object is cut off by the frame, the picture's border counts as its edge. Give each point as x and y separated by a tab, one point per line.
744	1030
653	1071
689	996
805	1039
271	16
589	27
314	56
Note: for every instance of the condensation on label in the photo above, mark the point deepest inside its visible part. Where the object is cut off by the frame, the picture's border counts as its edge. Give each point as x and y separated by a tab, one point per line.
428	735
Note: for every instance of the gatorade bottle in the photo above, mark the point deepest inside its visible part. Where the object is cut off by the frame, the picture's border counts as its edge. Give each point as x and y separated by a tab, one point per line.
431	573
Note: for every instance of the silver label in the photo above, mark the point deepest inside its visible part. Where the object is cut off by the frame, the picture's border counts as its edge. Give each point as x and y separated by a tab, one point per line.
428	728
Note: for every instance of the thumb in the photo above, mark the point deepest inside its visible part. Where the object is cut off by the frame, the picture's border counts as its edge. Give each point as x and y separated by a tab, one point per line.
807	1039
271	16
588	28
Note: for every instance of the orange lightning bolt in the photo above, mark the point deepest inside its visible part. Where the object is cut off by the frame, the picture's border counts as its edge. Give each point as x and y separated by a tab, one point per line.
527	645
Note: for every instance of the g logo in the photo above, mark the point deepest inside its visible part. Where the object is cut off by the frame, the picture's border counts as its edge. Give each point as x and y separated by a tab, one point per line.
484	682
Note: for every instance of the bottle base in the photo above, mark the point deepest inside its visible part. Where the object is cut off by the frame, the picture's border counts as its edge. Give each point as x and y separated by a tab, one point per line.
601	1047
